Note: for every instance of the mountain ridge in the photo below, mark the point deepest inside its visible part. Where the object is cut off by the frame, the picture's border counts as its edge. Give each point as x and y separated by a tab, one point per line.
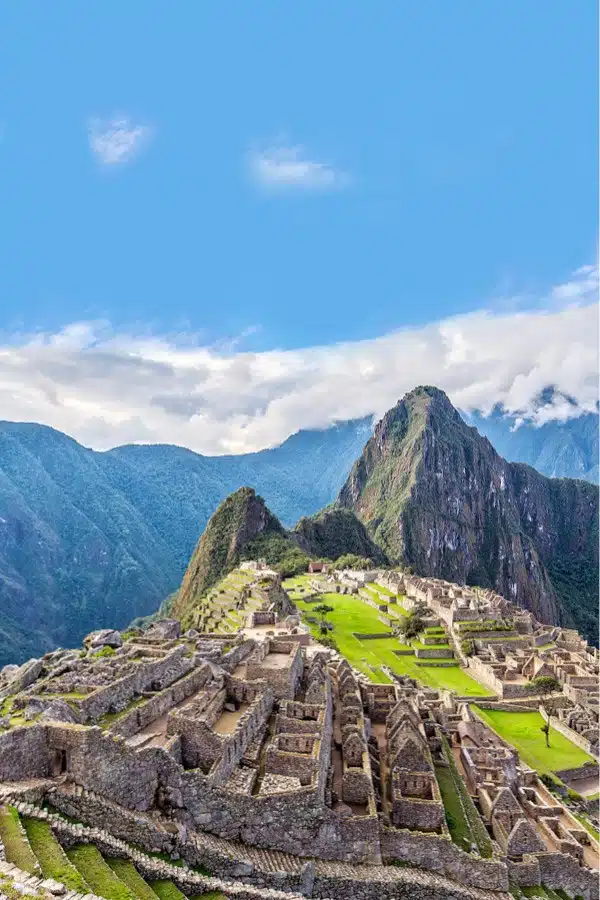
93	538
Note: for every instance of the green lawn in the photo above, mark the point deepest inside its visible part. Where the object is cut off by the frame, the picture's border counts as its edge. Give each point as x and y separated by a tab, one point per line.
88	860
16	846
52	857
523	731
352	615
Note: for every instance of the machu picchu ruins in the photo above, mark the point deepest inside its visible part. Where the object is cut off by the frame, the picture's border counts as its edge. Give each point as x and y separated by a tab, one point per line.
242	755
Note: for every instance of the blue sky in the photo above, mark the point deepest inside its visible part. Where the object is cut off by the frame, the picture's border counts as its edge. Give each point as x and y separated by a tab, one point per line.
277	176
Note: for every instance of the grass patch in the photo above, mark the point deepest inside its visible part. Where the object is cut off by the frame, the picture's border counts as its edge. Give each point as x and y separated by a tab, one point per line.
90	863
384	590
52	857
129	875
352	615
477	829
109	719
588	826
17	849
157	854
523	731
211	895
166	890
455	815
421	646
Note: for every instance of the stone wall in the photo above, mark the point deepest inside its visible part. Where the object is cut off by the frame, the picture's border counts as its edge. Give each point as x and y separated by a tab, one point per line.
562	871
24	753
161	703
438	853
249	725
144	676
590	770
432	652
234	657
283	680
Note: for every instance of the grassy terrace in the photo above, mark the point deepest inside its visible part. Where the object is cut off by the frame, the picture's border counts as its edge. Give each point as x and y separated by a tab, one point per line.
88	860
352	615
523	731
166	890
52	857
16	846
128	874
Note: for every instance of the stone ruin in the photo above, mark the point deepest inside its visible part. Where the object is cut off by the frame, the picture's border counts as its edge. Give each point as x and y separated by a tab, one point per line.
260	744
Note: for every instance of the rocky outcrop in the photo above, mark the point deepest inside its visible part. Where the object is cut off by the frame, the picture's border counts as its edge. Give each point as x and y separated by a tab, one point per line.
434	494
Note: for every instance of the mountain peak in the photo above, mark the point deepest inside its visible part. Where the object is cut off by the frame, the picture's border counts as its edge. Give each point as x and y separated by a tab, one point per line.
434	493
241	518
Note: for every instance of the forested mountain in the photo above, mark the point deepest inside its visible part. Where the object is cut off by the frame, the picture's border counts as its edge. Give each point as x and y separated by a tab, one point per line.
90	539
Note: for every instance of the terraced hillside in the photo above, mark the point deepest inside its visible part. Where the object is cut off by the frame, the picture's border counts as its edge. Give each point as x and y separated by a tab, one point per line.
224	608
35	844
362	627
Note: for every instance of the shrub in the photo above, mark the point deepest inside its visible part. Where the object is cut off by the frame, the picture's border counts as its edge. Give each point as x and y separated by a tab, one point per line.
328	641
352	561
104	652
467	647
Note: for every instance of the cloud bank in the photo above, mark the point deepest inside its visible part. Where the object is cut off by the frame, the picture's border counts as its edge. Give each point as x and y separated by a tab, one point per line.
117	140
105	388
289	167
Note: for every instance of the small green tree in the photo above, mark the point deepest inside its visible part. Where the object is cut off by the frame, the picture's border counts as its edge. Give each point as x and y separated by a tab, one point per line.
323	610
544	686
411	625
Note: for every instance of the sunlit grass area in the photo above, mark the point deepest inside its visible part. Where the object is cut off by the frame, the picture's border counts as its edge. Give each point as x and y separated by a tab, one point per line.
523	731
352	615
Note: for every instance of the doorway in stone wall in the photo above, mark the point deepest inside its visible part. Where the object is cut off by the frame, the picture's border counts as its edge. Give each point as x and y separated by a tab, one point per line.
59	763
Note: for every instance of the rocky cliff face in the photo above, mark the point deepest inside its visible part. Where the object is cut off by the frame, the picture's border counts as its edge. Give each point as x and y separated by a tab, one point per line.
435	494
241	519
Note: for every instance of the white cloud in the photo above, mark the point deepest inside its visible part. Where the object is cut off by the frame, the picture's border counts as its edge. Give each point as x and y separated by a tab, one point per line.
106	388
289	167
116	140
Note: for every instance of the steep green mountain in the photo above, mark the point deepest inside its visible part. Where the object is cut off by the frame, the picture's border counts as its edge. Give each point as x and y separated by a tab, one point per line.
239	521
335	532
91	539
434	493
243	528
